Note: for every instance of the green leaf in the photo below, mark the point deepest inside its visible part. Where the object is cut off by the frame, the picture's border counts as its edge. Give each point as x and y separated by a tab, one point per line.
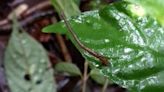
69	68
97	4
134	44
98	76
77	2
27	64
152	7
69	7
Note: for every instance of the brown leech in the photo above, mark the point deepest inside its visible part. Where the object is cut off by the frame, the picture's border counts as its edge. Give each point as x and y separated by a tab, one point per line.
103	59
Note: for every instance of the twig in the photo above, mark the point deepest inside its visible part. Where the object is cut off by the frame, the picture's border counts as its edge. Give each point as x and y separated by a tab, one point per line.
28	20
105	85
37	7
3	22
64	49
85	76
103	59
6	25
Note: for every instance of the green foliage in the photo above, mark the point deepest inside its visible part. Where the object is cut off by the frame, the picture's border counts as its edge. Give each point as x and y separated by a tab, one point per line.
69	7
27	65
96	4
77	2
152	7
97	76
69	68
133	42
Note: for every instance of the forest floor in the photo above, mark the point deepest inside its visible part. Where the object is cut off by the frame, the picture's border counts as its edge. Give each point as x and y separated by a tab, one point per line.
36	15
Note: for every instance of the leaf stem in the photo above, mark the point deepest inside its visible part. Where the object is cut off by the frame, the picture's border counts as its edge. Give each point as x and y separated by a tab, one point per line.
105	85
64	49
85	76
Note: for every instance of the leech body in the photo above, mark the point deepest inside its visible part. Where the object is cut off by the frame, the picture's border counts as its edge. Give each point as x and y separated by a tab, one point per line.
102	58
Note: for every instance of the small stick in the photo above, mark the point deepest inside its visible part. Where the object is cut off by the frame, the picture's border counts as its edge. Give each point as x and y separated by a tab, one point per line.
103	59
62	44
105	85
64	49
27	20
85	77
37	7
28	15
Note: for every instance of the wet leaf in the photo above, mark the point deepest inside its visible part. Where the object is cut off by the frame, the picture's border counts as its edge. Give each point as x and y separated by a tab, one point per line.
133	43
68	68
152	7
27	65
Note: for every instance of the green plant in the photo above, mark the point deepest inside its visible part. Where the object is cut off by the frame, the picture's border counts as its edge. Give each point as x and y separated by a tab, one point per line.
27	65
131	39
153	7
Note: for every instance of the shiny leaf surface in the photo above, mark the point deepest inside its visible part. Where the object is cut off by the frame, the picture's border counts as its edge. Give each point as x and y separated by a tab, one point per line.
27	64
152	7
133	43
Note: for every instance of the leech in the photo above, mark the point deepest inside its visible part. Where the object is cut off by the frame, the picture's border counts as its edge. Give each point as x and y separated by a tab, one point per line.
103	59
